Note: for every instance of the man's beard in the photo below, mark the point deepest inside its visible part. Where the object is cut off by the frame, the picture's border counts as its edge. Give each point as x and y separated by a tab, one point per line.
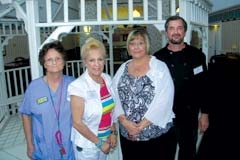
179	41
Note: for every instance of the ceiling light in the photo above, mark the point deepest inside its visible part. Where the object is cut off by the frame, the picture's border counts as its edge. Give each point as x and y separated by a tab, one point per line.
136	13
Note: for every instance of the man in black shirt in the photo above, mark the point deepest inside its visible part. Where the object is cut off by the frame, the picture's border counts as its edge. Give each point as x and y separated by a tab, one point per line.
188	68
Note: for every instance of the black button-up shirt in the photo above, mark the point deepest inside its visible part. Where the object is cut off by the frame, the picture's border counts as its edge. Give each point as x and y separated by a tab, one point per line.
189	72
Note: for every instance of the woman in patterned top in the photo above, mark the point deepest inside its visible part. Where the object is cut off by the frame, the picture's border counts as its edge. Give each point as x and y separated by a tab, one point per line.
93	132
144	98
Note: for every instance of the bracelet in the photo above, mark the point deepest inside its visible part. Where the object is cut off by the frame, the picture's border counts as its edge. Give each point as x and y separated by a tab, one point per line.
114	133
100	143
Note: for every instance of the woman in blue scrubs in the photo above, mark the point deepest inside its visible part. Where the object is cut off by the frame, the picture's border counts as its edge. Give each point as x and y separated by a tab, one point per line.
45	110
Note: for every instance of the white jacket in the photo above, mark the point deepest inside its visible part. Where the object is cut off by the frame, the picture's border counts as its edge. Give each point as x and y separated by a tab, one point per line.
89	90
160	110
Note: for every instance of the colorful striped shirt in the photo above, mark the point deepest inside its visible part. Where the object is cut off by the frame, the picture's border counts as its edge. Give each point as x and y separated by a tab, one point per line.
107	107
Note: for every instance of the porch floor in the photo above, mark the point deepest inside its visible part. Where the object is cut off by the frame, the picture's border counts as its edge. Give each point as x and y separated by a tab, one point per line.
12	140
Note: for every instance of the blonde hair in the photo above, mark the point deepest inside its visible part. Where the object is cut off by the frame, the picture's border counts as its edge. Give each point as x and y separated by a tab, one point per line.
92	43
138	32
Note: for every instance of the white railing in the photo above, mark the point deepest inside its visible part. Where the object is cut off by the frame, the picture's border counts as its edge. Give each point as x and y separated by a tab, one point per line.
17	79
9	28
76	67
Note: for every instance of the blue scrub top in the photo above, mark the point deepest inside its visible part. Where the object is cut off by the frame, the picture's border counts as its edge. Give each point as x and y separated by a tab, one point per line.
37	103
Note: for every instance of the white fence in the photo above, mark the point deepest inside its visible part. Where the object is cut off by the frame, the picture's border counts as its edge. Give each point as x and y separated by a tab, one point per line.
76	67
17	79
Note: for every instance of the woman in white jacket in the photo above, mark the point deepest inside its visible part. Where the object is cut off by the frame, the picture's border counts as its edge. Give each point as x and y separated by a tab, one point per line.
144	92
94	132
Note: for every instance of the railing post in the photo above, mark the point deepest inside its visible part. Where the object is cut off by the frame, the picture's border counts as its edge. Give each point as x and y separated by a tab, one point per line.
159	10
33	37
173	7
130	10
3	88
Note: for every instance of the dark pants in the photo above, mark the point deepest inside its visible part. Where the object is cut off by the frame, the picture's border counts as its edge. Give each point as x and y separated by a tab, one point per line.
159	148
186	128
187	139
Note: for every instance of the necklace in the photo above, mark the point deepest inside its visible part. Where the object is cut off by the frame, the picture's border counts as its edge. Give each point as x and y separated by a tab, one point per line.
57	109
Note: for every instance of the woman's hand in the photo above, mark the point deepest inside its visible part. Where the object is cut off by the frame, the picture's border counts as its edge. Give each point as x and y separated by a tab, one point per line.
105	148
112	140
132	127
30	150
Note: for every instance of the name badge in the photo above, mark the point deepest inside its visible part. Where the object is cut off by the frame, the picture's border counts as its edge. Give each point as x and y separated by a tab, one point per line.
197	70
42	100
92	95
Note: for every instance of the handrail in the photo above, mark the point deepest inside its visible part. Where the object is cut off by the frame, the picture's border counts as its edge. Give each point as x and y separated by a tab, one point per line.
17	79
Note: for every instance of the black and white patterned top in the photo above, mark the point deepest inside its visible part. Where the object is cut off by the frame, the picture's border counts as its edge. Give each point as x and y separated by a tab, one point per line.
136	94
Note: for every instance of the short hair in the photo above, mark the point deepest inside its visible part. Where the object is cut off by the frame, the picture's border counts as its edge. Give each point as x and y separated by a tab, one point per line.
92	43
57	45
139	32
173	18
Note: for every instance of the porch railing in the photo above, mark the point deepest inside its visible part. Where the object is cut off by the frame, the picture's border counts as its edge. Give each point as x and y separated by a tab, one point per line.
17	79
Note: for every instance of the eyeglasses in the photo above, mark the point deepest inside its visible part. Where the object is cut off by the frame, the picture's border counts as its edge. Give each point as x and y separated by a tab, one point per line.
50	61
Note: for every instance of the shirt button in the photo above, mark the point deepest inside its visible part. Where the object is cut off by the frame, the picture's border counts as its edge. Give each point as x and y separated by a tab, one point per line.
172	65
